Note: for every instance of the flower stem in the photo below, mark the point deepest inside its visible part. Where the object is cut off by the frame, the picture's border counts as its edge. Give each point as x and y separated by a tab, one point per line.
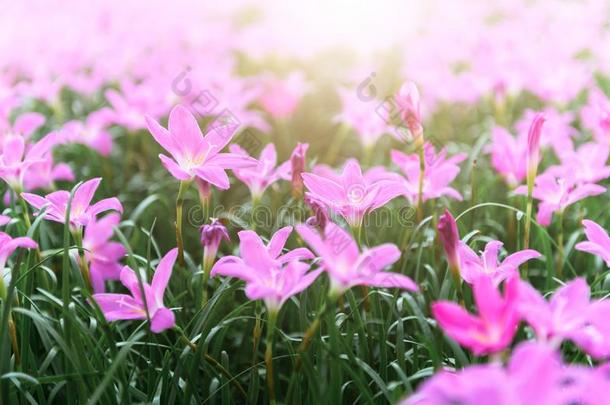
420	185
271	320
560	253
184	185
84	266
528	216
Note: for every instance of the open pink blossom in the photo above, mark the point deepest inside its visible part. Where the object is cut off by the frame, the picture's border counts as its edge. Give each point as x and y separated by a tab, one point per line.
264	174
509	155
438	173
564	316
585	165
17	157
81	209
351	194
92	132
556	194
135	306
598	241
103	254
495	326
269	275
473	266
193	154
347	267
44	174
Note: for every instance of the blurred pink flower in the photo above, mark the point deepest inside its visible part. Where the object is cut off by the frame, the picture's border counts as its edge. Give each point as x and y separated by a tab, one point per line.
17	157
595	115
92	132
563	317
25	125
473	266
4	220
598	241
509	155
102	254
410	110
44	174
269	275
347	267
493	330
556	194
364	116
438	173
8	246
280	97
585	165
193	154
297	167
352	194
262	175
81	210
135	306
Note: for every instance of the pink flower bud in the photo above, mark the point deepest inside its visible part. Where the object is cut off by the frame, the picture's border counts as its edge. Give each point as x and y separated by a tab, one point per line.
450	237
533	143
410	112
211	236
297	161
320	218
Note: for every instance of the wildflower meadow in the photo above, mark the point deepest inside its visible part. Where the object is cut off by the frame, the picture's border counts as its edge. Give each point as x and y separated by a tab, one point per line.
324	202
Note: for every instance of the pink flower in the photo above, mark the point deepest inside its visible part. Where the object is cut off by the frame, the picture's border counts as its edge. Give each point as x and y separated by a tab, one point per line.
211	236
438	173
347	267
4	220
280	97
586	165
263	174
92	132
450	237
556	132
269	275
16	158
472	266
136	305
561	316
409	103
8	245
102	254
493	330
598	241
595	115
351	194
533	143
81	210
297	167
556	194
509	155
193	154
365	117
44	174
25	125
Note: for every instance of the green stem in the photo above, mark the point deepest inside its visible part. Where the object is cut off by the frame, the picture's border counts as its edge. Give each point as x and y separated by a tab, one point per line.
271	320
560	252
84	266
420	185
184	185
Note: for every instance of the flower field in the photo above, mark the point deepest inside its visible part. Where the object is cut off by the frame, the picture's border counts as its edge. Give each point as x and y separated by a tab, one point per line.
280	202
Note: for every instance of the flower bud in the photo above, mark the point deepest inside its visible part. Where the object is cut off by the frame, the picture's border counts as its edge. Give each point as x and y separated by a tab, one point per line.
320	218
410	112
450	237
533	145
211	236
297	160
